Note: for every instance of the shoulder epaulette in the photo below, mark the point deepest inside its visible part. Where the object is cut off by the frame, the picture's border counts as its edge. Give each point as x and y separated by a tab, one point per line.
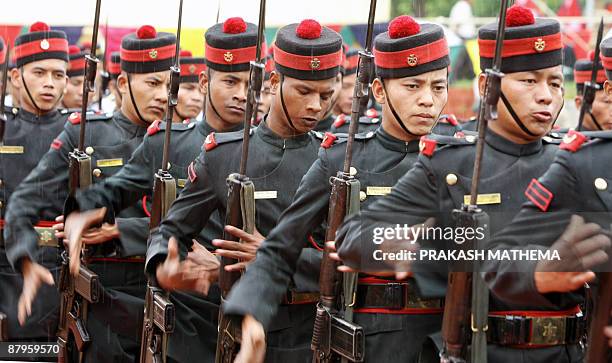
367	120
75	117
371	113
68	111
327	139
573	140
430	143
159	125
215	139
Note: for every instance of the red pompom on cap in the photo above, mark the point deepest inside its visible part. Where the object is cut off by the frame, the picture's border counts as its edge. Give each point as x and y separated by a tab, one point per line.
74	49
146	32
234	25
185	53
519	16
309	29
403	26
39	26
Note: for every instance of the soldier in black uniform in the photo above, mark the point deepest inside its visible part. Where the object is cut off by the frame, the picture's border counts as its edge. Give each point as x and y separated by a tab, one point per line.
380	158
38	80
114	322
345	97
307	58
266	93
569	205
114	70
73	95
599	118
196	316
190	96
515	151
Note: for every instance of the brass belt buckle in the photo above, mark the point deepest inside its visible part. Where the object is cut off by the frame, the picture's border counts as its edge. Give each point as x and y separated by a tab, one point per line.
46	236
548	330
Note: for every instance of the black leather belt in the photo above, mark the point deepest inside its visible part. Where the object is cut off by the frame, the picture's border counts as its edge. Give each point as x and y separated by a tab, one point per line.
536	331
392	295
297	298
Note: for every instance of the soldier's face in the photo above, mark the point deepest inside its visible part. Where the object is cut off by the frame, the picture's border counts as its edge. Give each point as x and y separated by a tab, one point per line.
73	94
46	81
601	109
190	100
266	100
307	102
418	100
345	95
537	99
228	92
150	92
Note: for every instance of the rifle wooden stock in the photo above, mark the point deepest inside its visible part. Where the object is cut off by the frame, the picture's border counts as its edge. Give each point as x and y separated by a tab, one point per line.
598	348
457	311
159	317
164	193
233	217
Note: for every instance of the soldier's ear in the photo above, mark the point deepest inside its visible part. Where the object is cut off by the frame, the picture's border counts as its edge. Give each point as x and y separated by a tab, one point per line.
608	88
578	101
203	82
15	78
378	91
274	82
122	84
482	81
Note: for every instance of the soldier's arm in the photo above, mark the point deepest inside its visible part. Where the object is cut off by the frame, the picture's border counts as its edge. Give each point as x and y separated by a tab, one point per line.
550	202
44	189
266	280
187	215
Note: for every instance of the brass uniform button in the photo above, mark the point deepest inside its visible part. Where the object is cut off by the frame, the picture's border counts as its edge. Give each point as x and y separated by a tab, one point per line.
601	184
352	171
89	150
362	196
451	179
97	173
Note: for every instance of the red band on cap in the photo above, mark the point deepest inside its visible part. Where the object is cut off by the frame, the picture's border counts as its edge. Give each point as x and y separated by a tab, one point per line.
77	64
351	62
41	46
307	62
230	56
606	62
523	46
192	69
412	57
585	76
148	55
114	68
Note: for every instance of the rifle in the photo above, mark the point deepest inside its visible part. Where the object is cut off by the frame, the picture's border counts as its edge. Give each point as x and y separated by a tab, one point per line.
240	201
466	305
590	88
159	312
335	336
104	75
77	292
3	95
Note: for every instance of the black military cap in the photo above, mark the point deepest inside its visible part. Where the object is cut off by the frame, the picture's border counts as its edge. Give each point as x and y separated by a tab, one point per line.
408	48
351	60
606	56
76	64
231	46
147	51
583	70
308	51
114	66
529	43
40	43
191	67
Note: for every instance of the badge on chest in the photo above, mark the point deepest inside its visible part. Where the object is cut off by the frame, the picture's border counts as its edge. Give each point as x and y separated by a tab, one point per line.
266	194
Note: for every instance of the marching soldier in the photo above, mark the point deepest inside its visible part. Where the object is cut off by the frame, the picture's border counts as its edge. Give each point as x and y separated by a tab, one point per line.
266	93
190	96
112	102
599	118
38	82
380	158
567	208
196	316
345	97
515	144
307	58
73	95
114	322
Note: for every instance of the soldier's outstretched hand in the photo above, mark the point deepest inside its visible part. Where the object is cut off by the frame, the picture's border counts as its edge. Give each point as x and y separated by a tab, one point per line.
581	247
399	275
253	345
174	274
75	227
245	250
33	276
